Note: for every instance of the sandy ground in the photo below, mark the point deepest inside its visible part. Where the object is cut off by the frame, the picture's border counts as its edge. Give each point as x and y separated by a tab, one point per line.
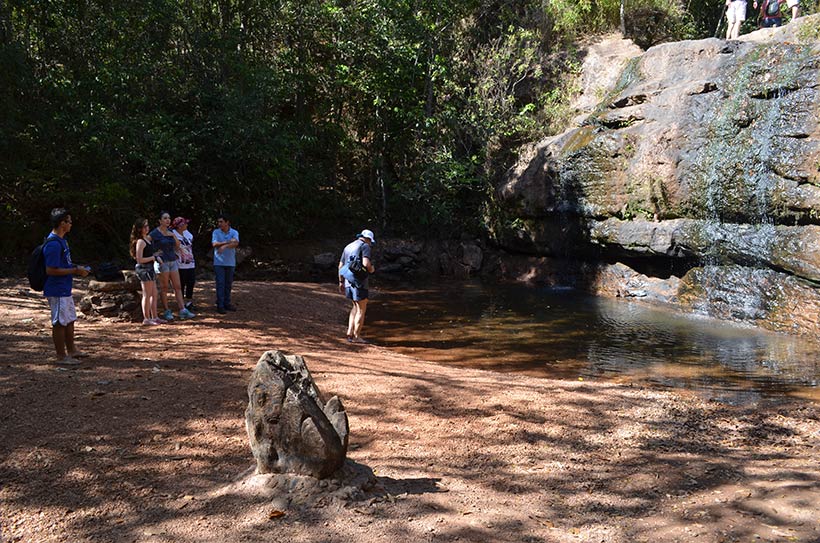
145	442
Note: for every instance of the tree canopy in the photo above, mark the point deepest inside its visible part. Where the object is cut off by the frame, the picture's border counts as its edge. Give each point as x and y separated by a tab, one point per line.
298	118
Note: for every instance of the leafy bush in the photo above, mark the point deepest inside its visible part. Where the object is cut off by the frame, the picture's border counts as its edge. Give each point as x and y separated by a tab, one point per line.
298	118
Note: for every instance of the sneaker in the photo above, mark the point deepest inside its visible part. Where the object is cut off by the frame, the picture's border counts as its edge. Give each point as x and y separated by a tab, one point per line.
189	305
150	322
159	321
220	310
230	307
168	315
68	361
185	314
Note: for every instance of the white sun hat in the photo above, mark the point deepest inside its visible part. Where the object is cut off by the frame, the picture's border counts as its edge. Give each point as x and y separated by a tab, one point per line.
367	234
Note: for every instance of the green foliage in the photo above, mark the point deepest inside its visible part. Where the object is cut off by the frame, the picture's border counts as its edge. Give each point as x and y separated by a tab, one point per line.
808	31
576	17
297	117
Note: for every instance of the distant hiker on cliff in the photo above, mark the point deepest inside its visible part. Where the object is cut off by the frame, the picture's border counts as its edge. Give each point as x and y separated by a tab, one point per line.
770	15
60	272
794	5
735	15
354	269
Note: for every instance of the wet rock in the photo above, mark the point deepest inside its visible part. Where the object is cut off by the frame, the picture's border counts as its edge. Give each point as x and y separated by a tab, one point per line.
785	248
768	298
622	281
704	153
291	429
471	256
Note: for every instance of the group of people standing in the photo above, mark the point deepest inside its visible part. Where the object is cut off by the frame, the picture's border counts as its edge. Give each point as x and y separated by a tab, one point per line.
166	254
770	15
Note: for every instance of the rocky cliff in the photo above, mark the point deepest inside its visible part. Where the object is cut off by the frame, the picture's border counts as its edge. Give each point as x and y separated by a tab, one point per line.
694	178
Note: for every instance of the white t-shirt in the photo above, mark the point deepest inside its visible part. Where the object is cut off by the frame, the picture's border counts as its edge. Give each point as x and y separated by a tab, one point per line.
186	250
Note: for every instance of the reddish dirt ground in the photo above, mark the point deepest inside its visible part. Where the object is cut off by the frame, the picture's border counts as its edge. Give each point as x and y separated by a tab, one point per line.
142	442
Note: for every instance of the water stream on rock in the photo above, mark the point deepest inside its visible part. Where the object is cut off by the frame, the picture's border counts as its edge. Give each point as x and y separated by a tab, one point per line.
565	334
738	183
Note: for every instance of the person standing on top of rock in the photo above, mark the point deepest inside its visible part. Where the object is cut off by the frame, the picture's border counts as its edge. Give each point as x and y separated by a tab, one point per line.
770	13
357	291
735	15
224	241
60	272
794	5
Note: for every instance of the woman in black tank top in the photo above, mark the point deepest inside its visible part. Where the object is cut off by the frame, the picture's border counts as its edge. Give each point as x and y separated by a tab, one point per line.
143	252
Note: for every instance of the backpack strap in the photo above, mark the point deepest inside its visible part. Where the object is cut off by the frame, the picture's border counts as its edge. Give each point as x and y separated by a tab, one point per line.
358	253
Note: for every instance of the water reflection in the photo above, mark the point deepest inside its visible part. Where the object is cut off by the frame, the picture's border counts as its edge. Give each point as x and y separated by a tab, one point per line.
560	333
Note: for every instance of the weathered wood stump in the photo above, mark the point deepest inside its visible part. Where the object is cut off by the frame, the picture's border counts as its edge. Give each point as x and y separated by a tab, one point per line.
291	429
119	299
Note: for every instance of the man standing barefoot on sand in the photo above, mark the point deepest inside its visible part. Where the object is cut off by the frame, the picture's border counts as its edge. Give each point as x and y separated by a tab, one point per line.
60	274
357	293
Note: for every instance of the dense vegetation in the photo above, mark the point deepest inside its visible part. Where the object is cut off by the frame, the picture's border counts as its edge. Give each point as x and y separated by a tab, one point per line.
300	118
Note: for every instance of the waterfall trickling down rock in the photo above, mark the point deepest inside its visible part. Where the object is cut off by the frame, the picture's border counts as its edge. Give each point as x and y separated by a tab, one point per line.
700	169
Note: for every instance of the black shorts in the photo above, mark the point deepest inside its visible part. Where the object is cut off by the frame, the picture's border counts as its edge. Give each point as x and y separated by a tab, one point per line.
145	272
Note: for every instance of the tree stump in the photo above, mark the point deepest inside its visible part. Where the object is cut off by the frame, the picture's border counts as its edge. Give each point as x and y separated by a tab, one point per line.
119	299
290	428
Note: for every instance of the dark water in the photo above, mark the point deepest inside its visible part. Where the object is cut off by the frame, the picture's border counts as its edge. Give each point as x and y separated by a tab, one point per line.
564	334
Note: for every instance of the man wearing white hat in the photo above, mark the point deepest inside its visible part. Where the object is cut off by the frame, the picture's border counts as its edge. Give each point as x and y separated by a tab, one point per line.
356	290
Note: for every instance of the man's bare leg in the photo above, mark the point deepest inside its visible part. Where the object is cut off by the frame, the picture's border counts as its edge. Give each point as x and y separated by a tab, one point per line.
358	321
351	320
58	336
69	343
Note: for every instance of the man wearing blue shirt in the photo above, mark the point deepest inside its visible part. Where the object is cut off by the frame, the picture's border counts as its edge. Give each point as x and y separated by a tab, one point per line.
358	292
224	240
60	272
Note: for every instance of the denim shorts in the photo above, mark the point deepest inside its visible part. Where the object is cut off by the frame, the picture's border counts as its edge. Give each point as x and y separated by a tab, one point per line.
356	294
166	267
145	272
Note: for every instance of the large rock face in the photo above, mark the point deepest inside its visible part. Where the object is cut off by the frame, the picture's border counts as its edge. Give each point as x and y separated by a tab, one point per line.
291	430
704	155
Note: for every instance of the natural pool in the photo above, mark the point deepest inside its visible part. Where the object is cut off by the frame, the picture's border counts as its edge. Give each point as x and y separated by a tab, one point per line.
569	335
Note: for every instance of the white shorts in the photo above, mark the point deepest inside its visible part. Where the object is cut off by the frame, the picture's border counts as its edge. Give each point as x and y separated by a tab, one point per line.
736	12
792	3
63	312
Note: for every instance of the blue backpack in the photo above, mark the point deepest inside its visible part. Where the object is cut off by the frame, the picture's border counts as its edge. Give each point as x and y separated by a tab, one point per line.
354	270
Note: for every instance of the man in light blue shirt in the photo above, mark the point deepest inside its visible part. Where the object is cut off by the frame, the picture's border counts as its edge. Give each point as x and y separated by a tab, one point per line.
224	240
